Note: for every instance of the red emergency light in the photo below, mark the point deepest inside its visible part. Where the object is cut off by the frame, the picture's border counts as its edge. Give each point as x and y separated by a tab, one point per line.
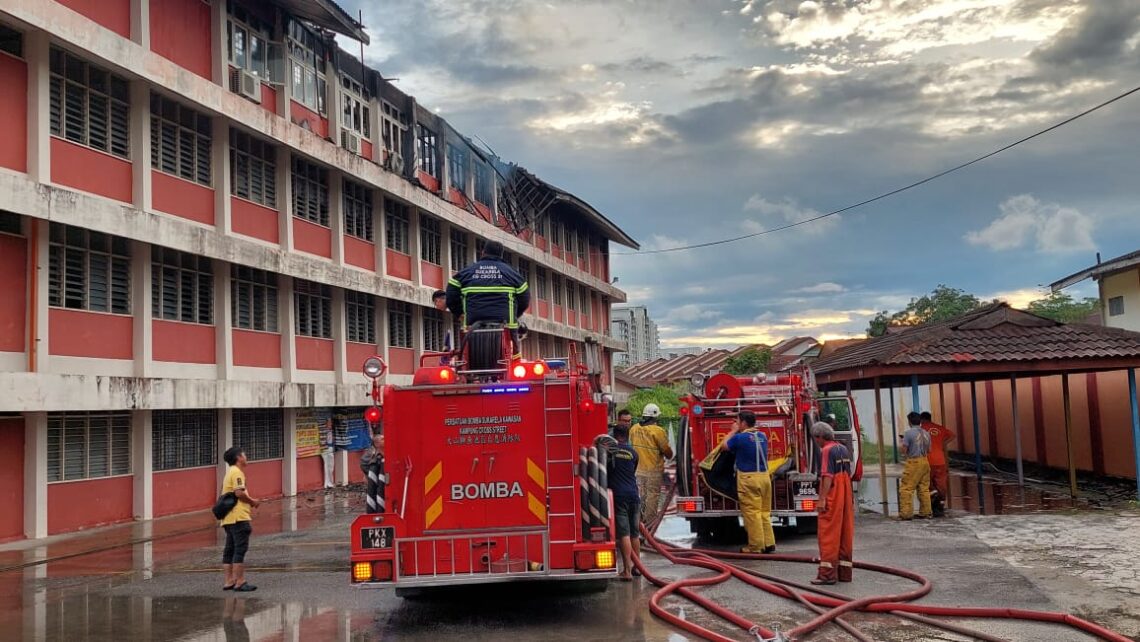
523	370
434	376
684	411
688	506
372	415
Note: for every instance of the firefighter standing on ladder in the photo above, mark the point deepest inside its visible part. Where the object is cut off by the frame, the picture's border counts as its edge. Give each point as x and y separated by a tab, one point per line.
652	447
753	484
489	290
836	508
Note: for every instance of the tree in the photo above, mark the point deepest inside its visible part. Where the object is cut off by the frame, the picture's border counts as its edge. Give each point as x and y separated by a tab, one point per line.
751	361
1062	307
943	304
667	399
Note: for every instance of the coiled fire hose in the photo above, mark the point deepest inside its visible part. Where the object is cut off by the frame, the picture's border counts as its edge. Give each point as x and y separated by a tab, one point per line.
828	606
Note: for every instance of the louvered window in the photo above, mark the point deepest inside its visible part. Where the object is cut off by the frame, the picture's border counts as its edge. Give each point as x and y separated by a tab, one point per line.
253	169
426	149
313	307
435	328
571	295
88	445
556	289
540	284
310	192
181	286
458	249
179	140
360	317
357	210
253	296
10	223
396	226
430	239
399	324
89	105
260	433
89	270
184	439
11	41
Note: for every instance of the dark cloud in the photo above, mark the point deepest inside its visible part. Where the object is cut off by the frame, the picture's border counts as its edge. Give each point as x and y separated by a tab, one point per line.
642	65
1098	36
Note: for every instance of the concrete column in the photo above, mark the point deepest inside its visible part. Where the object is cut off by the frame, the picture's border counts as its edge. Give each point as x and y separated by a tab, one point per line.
140	22
286	323
219	62
284	198
35	475
332	103
339	335
225	440
142	463
414	245
380	232
417	332
220	162
142	308
494	204
285	89
336	215
223	320
445	250
441	139
37	49
375	118
38	341
289	461
340	467
140	143
382	328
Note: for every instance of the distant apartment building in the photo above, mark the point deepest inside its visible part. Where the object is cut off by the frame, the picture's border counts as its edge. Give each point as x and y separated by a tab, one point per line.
632	326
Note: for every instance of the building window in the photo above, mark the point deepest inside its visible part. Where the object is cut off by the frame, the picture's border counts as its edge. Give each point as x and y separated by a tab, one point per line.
10	224
540	284
184	439
482	183
253	296
435	330
179	140
11	42
357	210
1116	306
356	116
88	445
312	303
556	289
253	169
583	250
310	192
89	270
248	44
458	242
360	317
90	105
571	295
399	324
431	240
584	301
307	58
425	147
396	226
457	167
393	126
568	240
260	433
181	286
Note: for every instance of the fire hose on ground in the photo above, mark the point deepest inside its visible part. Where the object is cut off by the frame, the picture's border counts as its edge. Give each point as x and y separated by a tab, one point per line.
829	607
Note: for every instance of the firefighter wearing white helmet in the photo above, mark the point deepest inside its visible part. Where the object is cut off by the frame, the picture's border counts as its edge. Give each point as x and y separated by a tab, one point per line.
652	446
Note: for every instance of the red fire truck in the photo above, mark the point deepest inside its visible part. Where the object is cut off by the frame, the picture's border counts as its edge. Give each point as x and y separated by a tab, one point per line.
786	406
493	475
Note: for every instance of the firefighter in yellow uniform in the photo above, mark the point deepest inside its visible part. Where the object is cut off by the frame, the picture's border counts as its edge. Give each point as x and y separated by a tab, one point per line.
652	446
916	470
753	483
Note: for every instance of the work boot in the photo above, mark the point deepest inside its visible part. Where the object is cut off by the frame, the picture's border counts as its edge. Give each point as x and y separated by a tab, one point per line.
826	575
845	569
768	550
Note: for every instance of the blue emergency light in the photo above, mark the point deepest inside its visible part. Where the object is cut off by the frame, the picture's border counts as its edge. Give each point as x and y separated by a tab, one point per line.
505	389
698	410
556	364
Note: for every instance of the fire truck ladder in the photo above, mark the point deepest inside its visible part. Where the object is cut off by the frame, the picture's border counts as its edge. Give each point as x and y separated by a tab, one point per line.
561	461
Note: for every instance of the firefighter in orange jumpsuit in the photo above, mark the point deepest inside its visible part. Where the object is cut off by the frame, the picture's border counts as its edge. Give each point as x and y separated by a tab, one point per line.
939	470
836	508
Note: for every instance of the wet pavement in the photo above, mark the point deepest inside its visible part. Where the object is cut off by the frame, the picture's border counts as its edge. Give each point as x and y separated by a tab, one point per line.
999	495
159	581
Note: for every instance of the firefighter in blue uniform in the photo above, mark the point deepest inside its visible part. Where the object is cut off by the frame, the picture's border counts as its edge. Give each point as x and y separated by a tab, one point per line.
489	290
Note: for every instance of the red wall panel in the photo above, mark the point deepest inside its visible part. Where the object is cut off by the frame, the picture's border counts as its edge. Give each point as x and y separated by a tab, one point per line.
257	349
77	333
182	491
308	119
269	98
571	317
183	342
310	473
366	149
397	264
11	478
456	197
540	242
354	472
254	220
312	238
263	478
429	182
356	353
401	360
13	292
180	31
112	14
360	253
182	198
431	274
90	171
82	504
14	112
484	212
543	309
314	353
558	313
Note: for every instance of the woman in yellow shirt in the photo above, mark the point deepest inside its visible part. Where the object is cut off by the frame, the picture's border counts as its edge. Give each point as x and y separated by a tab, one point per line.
237	522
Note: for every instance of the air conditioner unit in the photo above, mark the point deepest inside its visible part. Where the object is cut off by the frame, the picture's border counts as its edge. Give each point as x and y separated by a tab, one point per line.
350	141
247	84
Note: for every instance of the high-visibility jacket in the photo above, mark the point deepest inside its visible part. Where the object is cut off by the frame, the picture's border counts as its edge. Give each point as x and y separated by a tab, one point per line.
488	290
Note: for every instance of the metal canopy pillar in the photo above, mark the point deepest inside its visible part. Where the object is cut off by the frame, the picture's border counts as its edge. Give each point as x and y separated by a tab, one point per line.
882	451
977	447
894	425
1069	435
914	396
1016	429
1135	425
942	420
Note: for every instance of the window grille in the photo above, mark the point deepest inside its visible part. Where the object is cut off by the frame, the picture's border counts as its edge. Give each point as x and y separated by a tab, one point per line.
426	148
396	226
89	270
435	330
184	439
253	169
360	317
253	296
88	445
260	432
556	289
310	192
540	284
179	140
89	105
483	183
399	324
313	308
181	286
457	167
430	240
458	249
357	210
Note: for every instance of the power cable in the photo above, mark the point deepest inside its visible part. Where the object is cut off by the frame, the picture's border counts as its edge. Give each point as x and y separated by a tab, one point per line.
890	193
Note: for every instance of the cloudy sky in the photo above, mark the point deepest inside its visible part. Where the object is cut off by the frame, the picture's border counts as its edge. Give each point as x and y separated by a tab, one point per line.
692	120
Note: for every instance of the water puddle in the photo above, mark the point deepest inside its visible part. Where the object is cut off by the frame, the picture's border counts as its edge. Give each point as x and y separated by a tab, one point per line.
998	497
